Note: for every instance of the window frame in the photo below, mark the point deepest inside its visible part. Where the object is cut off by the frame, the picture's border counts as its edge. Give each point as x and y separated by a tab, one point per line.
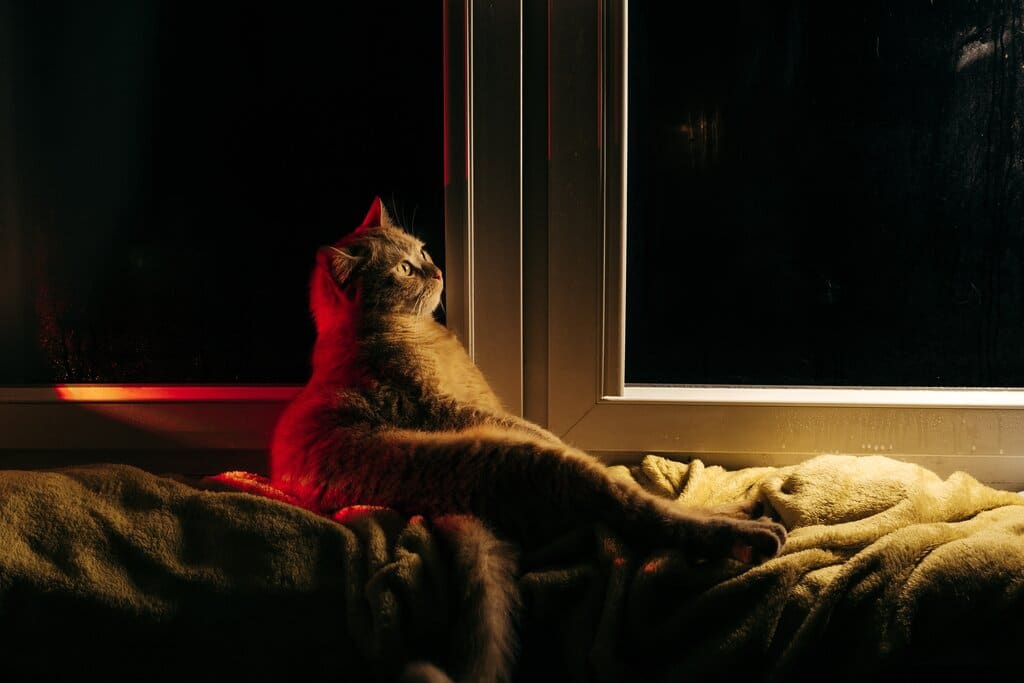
483	195
187	429
579	373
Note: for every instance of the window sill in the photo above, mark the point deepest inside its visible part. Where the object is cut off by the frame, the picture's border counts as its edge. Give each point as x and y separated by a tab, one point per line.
150	393
131	423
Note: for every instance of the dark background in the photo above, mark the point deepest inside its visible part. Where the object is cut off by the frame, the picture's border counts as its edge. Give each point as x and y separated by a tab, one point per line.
168	169
826	193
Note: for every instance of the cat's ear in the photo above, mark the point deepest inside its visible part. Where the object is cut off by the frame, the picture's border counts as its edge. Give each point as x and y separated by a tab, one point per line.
338	263
373	216
385	218
378	216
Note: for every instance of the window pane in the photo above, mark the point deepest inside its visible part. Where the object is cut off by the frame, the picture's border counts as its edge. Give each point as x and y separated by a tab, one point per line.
826	193
168	169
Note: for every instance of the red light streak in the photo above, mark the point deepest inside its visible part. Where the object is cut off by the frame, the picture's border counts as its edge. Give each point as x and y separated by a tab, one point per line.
117	393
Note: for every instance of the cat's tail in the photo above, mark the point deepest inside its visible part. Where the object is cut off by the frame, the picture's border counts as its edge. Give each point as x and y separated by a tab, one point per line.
484	639
423	672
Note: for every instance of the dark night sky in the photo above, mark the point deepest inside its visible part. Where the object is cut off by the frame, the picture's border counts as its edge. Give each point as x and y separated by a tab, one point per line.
176	164
826	193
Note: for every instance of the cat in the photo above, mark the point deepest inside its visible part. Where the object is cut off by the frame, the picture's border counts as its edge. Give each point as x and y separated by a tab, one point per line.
396	414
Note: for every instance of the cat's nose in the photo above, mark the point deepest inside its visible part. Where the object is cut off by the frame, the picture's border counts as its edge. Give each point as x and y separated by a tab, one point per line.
437	273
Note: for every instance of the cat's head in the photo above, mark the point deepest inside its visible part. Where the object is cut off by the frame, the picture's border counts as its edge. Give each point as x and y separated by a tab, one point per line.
379	268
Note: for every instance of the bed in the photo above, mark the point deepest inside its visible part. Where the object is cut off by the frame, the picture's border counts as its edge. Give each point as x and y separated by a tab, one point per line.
889	573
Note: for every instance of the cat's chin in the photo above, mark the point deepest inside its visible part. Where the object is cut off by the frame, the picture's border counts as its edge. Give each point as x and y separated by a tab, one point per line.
434	303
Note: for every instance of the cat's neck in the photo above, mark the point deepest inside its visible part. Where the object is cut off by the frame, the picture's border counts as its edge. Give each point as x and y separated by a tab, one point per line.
403	351
404	324
355	350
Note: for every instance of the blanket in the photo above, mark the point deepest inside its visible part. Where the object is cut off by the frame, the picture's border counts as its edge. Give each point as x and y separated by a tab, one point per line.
111	573
889	573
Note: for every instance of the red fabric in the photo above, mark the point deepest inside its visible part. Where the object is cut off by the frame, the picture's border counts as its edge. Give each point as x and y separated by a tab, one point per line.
248	482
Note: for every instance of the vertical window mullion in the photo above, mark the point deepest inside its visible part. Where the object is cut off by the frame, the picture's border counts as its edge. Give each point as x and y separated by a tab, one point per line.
495	192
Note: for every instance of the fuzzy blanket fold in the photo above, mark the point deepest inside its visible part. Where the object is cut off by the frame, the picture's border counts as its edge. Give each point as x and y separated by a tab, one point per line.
129	576
890	573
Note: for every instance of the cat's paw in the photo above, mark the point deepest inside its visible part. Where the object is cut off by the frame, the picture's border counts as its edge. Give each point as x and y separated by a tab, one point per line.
717	537
757	540
705	533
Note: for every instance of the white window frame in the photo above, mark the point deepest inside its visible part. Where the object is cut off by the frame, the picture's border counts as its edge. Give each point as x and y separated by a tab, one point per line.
574	383
189	429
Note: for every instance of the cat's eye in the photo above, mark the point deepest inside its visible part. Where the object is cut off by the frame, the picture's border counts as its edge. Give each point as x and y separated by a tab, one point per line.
425	256
405	267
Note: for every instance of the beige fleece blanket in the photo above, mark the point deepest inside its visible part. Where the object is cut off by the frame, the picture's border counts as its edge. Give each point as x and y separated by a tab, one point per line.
889	574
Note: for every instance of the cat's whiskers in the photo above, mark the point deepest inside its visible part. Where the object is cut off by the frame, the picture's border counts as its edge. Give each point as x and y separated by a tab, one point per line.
420	303
412	223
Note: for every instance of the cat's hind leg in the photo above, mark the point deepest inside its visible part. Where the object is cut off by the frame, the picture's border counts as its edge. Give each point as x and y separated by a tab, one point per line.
529	489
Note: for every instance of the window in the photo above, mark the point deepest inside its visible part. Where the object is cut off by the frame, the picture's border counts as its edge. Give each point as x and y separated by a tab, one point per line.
167	171
575	370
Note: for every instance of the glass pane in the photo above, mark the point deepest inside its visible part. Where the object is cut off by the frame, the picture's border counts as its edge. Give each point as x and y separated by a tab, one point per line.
826	193
168	169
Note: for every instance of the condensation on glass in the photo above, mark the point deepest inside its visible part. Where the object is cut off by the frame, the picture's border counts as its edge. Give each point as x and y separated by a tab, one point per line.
168	169
826	193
